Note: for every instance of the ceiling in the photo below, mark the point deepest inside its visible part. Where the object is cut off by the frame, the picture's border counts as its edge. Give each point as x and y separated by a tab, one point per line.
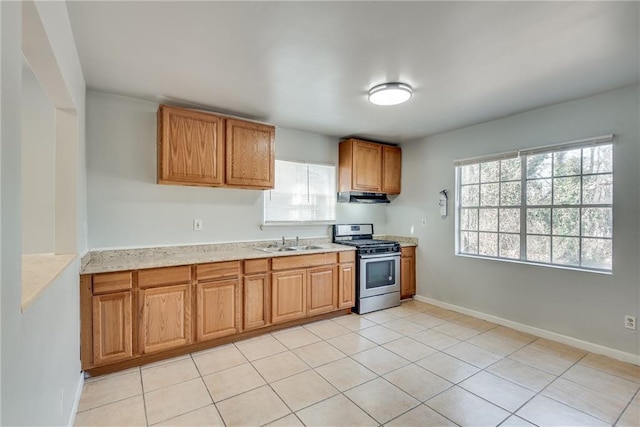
309	65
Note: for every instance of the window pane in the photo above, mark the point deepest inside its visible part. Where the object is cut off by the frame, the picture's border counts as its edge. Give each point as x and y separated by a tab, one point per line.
597	159
597	253
538	248
539	166
598	189
488	219
539	221
566	221
567	162
509	246
489	194
510	220
566	191
510	169
566	250
303	192
510	194
597	222
490	172
470	174
539	192
469	242
488	244
469	219
470	195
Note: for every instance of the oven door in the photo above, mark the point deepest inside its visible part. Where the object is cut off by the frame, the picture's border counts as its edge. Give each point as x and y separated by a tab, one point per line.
379	274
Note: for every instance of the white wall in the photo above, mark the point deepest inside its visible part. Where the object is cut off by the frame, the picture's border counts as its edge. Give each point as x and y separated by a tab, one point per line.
39	348
38	167
128	209
587	306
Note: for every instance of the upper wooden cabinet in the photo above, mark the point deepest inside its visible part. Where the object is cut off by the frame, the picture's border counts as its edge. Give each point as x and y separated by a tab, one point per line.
199	148
391	169
250	154
190	147
369	167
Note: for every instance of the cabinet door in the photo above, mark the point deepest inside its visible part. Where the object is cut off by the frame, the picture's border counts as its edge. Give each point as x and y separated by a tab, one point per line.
250	154
322	295
112	328
367	165
165	317
288	295
407	273
190	147
346	285
217	309
391	169
256	301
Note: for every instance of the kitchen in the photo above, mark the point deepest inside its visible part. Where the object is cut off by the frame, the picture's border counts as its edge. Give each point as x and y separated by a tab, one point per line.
123	206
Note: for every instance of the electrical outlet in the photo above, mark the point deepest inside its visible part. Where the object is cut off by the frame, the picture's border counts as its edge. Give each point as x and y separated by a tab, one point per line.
630	322
423	222
197	225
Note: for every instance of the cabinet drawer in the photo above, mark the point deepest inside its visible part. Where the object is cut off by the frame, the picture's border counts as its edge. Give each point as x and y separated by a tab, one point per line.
217	270
303	261
349	256
252	266
163	276
111	282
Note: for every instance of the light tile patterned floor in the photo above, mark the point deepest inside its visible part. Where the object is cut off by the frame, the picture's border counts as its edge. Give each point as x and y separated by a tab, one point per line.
413	365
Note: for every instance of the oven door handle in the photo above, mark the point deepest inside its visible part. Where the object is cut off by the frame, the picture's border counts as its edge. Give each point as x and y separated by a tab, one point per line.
387	255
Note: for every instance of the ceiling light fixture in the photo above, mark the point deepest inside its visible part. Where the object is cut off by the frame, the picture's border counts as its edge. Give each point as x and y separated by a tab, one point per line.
390	94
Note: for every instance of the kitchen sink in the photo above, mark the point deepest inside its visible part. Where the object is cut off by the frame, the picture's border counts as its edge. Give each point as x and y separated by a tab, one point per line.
277	249
272	249
307	247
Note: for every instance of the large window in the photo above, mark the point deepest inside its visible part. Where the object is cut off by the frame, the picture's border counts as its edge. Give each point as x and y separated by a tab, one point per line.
304	193
552	205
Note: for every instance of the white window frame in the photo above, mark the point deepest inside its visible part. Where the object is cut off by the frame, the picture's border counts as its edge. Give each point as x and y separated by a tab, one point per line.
523	208
330	197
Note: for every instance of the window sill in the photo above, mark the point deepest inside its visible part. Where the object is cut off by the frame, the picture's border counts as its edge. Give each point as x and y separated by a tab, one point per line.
295	225
38	272
537	264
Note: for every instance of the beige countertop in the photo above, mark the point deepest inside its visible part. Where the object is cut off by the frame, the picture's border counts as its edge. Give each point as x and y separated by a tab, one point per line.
103	261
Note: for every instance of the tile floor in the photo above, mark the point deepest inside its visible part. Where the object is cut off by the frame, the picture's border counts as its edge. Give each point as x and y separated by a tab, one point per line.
413	365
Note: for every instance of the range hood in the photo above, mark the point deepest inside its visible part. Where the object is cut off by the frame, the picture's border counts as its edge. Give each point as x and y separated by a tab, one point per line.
359	197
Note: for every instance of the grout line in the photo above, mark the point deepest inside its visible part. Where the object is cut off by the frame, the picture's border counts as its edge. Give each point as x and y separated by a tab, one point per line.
637	393
207	388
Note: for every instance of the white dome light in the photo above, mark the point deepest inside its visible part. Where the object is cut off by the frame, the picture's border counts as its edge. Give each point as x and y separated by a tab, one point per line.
390	94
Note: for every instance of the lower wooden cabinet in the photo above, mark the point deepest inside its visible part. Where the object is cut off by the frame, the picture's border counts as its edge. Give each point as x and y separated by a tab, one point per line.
165	317
257	298
408	272
288	295
112	328
217	309
143	313
322	293
347	285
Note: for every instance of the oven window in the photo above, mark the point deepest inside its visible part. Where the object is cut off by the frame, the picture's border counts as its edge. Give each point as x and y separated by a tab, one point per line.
380	273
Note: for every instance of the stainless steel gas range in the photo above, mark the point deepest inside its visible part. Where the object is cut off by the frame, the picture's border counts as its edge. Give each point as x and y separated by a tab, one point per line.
377	267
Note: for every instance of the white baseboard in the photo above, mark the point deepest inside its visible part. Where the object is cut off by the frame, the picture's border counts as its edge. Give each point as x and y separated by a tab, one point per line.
76	401
564	339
